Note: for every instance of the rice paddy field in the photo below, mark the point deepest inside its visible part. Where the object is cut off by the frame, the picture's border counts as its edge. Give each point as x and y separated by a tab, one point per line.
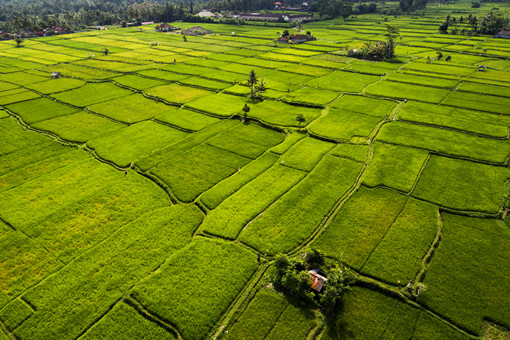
136	202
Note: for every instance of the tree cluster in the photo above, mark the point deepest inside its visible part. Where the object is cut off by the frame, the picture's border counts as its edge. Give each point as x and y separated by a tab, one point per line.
378	50
332	8
412	5
290	276
492	23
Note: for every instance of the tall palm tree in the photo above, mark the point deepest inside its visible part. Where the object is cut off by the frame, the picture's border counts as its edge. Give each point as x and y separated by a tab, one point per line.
252	81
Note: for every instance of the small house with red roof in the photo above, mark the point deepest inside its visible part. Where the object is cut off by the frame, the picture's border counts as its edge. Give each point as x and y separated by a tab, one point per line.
318	279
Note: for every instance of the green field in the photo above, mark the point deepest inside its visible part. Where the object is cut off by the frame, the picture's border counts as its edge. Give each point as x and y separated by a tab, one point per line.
147	194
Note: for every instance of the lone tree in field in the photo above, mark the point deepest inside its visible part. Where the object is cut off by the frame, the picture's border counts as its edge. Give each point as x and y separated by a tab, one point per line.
106	51
18	41
301	119
392	33
246	109
252	82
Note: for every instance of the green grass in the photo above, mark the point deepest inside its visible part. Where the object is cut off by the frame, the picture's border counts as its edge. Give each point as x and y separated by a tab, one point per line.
193	172
16	95
124	322
221	104
137	82
187	119
364	105
342	125
21	78
356	232
371	315
15	138
218	193
175	93
91	94
36	110
310	96
398	257
278	113
355	152
78	127
457	118
341	81
260	316
293	217
306	153
70	302
444	141
229	218
248	140
56	85
294	322
88	220
482	102
463	185
21	254
129	144
422	80
475	252
394	166
15	313
205	264
185	145
485	88
131	109
408	91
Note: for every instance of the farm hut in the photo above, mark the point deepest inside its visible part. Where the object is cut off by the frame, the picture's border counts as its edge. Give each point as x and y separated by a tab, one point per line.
283	40
196	30
502	34
206	14
165	27
318	279
56	75
482	68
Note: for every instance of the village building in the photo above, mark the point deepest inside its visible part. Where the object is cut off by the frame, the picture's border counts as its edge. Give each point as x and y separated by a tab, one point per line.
502	34
166	28
206	14
318	279
196	30
296	38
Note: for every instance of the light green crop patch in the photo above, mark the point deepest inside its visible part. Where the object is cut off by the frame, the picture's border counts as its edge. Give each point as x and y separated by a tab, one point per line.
123	322
78	127
92	283
278	113
36	110
131	109
356	232
445	141
463	185
196	170
342	125
395	166
129	144
221	104
176	93
205	263
56	85
294	216
91	94
186	119
343	81
455	117
478	251
229	218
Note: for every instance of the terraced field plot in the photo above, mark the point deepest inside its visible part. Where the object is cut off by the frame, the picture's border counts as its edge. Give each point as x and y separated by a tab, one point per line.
146	194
